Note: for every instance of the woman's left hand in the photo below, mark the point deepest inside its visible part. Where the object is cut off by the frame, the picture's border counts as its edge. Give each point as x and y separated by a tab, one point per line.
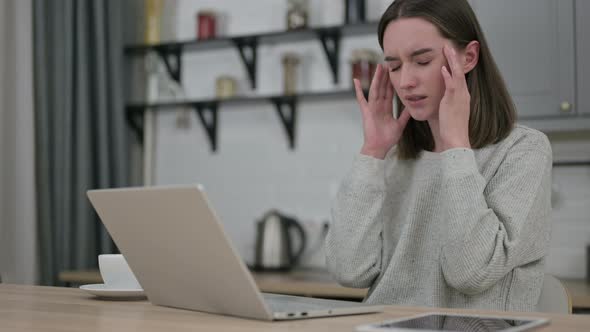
455	106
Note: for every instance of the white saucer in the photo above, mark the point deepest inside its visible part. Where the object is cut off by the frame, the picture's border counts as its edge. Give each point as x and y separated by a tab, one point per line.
101	290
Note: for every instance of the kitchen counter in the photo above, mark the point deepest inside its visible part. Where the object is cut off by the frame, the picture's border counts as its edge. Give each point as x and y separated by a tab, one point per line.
579	290
311	283
318	283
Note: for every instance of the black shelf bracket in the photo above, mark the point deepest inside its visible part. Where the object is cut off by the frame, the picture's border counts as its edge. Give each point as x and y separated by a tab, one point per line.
330	39
287	109
135	120
248	47
209	122
171	56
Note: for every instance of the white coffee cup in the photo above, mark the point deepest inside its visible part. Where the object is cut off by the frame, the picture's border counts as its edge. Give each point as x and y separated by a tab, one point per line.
116	273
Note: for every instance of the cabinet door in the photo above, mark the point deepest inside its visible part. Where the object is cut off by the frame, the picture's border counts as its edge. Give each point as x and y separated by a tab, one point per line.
532	42
583	49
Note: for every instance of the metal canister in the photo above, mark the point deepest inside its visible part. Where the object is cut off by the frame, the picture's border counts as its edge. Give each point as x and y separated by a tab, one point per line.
206	24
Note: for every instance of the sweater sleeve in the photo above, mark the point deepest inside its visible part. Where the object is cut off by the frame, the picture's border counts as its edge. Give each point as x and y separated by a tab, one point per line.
354	243
496	226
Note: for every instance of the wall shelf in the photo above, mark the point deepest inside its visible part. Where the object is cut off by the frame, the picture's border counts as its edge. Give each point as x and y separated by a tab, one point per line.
247	46
572	163
207	110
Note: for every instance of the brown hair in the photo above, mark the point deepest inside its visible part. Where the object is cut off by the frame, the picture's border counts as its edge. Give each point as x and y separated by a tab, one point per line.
493	113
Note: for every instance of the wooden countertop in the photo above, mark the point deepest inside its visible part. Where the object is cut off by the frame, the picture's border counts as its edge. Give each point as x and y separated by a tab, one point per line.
38	308
317	283
579	290
312	283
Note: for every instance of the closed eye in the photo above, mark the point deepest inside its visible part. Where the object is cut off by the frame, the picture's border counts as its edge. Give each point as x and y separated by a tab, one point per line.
421	63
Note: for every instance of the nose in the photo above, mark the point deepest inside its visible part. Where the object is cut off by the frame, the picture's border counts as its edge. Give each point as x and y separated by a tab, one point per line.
407	78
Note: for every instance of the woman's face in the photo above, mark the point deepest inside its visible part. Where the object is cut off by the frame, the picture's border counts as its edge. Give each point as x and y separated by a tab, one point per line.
413	50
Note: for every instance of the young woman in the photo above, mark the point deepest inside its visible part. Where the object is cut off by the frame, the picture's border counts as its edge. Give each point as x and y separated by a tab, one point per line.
447	204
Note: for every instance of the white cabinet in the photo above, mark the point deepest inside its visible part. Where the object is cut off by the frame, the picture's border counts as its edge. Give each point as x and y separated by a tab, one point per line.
532	42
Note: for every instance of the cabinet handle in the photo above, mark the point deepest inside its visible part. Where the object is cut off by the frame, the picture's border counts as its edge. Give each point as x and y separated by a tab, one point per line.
566	106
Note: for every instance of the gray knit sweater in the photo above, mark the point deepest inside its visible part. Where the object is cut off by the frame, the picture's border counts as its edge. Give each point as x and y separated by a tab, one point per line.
461	229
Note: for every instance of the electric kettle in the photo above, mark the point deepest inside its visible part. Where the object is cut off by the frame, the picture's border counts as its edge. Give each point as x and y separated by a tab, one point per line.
274	242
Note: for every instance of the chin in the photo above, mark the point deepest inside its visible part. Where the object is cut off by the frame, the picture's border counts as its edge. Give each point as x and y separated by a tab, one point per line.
420	114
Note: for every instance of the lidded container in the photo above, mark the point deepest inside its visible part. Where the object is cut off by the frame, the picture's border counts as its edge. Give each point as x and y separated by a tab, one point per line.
153	18
206	24
363	64
297	14
225	87
290	65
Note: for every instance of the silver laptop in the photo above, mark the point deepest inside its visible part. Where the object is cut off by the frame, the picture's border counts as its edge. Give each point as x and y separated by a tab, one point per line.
182	257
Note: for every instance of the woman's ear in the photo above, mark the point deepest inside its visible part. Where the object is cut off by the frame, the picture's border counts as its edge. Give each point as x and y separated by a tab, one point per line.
471	54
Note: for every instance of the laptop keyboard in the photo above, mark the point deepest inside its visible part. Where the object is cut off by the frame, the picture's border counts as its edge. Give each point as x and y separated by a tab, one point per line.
288	303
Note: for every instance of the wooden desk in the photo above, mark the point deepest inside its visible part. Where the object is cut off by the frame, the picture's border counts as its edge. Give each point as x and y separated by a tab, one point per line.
37	308
319	284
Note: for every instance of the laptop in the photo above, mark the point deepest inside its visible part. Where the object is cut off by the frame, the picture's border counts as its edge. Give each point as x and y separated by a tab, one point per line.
182	257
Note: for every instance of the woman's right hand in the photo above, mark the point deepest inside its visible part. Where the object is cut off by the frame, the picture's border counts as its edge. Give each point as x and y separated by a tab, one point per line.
381	130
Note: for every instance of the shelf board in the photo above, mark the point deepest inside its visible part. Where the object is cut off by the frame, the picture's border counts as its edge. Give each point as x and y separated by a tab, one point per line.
265	38
572	163
174	105
247	46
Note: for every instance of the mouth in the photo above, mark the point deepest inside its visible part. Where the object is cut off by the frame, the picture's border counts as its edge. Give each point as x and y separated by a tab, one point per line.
415	98
415	101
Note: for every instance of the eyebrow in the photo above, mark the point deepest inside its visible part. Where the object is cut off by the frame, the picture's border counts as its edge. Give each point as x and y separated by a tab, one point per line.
415	53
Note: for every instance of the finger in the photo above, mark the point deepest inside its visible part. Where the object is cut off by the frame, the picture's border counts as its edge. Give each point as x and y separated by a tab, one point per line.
403	119
458	74
375	83
384	82
360	95
454	64
389	91
449	84
448	57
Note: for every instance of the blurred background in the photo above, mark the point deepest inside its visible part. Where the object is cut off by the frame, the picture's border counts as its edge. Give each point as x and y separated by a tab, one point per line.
254	102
